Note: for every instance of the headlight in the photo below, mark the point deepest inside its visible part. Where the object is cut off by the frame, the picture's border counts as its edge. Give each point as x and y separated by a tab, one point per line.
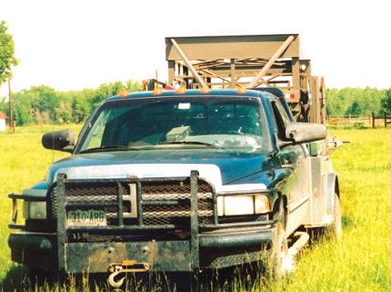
34	210
242	205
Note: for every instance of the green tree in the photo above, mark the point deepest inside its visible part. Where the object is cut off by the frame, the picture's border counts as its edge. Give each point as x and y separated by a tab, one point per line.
354	101
43	105
46	99
24	114
7	51
81	104
386	102
111	89
106	90
132	86
37	104
64	113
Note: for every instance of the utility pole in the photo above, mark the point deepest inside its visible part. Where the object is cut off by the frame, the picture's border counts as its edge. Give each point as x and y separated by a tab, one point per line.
11	119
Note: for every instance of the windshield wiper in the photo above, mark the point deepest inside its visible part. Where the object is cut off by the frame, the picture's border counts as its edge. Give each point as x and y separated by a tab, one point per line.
108	148
191	143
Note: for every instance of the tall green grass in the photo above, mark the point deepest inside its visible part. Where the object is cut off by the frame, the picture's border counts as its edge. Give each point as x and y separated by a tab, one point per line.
23	162
361	262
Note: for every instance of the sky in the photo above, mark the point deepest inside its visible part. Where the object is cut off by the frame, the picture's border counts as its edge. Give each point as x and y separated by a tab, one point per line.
76	44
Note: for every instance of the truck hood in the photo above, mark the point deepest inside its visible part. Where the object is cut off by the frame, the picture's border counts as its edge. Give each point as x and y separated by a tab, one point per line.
220	167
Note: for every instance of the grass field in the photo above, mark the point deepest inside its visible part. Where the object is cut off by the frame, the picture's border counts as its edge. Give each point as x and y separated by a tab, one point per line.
361	262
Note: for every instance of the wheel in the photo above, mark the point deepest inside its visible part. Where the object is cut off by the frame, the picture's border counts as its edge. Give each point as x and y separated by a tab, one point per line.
280	263
332	231
335	229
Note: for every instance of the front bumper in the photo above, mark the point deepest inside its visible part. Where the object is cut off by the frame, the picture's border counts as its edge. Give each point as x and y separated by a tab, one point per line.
216	250
153	247
36	250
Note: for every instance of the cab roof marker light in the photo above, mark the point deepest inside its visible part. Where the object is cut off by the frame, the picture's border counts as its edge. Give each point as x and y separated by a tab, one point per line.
241	90
205	90
123	93
181	90
157	91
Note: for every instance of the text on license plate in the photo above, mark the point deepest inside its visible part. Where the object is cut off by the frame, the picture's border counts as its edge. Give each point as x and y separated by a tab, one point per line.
87	218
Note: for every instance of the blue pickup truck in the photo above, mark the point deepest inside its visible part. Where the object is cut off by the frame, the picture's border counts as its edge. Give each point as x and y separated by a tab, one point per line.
179	181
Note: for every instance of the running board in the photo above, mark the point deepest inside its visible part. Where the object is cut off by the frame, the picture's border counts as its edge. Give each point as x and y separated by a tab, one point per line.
300	243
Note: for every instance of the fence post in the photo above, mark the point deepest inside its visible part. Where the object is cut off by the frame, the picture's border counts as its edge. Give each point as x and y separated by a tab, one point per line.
385	120
373	120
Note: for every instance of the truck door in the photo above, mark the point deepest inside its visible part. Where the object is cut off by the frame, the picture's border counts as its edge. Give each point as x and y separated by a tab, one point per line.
297	185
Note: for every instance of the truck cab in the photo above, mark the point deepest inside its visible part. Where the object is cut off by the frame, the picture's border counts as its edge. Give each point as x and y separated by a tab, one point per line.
179	180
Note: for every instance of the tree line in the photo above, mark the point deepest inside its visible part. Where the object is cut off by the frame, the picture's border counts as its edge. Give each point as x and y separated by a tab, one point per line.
358	101
44	105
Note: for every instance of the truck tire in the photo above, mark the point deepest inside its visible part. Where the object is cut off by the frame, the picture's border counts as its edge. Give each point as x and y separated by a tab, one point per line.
279	253
335	229
280	263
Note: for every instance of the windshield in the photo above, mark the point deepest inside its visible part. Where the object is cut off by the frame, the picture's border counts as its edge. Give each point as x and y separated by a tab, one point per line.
218	122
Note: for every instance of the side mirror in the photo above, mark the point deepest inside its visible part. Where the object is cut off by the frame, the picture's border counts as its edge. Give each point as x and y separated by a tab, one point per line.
305	132
59	140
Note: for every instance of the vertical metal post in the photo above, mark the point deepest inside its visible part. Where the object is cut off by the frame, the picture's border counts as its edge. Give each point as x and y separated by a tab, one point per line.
156	79
233	75
315	106
323	103
373	121
139	204
120	208
296	77
61	220
194	244
171	72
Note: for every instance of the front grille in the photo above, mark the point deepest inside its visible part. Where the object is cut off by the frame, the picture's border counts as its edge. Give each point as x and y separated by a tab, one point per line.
178	191
157	201
87	192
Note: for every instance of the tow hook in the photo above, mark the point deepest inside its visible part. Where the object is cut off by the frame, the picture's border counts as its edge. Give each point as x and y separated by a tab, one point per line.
128	266
116	271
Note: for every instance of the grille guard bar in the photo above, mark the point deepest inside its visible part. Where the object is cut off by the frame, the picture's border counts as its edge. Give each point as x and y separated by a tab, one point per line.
63	204
195	226
15	197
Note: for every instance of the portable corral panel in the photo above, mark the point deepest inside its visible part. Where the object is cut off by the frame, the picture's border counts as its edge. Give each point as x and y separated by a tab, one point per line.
249	61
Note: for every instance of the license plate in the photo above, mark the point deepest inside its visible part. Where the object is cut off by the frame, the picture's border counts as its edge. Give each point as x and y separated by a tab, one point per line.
87	218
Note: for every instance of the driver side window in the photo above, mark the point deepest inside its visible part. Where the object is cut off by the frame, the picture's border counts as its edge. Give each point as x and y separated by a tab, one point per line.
281	118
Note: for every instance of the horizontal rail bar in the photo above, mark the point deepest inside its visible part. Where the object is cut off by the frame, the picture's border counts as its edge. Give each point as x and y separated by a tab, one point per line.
164	203
120	228
16	226
126	180
27	198
238	224
92	204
